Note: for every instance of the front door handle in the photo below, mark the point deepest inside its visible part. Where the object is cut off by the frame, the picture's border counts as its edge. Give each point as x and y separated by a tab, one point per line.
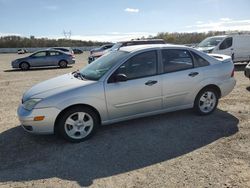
193	74
151	82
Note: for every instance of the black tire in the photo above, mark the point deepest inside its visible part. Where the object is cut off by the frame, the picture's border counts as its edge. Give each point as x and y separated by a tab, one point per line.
211	106
24	66
62	127
63	64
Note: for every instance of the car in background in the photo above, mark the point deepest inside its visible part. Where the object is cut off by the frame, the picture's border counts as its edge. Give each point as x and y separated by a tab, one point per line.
118	45
44	58
64	49
247	70
22	51
235	45
77	51
131	82
102	48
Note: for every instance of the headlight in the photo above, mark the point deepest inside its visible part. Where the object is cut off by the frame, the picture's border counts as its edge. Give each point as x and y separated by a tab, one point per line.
31	103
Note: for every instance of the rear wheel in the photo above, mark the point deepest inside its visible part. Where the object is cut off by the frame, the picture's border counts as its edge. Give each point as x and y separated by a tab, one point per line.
24	66
63	64
78	124
206	101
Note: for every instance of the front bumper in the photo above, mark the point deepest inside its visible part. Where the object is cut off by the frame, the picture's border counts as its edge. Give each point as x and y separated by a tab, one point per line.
247	71
15	65
46	126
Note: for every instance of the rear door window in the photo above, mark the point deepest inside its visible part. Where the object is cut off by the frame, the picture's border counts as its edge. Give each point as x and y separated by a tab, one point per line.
176	60
54	53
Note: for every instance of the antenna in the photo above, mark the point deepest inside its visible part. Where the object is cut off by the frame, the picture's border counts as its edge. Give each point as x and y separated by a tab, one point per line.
67	34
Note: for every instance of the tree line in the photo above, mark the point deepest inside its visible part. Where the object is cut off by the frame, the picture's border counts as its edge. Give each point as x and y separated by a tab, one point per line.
187	38
25	42
32	42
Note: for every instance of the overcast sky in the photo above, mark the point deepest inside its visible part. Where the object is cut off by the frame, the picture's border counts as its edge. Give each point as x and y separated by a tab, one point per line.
113	20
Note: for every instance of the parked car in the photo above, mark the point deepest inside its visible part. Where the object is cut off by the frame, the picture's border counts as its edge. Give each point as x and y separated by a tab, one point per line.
44	58
118	45
247	71
237	46
128	83
22	51
102	48
67	50
77	51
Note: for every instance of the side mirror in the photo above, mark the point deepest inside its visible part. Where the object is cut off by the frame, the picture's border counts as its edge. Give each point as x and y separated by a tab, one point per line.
120	78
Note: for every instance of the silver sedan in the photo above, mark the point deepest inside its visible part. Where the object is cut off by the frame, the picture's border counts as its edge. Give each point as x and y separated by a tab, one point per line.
132	82
44	58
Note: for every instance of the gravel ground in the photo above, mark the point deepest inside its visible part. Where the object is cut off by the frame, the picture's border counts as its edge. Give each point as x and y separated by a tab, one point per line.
176	149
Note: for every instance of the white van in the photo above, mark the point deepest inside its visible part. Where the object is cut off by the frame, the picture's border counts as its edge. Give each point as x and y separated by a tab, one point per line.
237	46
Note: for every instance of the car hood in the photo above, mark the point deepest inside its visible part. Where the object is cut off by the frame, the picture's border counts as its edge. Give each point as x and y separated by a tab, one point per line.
205	48
54	86
20	59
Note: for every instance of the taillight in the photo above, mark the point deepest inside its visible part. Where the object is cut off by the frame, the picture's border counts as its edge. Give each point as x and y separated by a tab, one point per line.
232	74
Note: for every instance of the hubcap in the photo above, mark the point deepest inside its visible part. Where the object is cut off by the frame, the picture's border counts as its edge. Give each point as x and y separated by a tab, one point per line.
63	64
79	125
24	66
207	102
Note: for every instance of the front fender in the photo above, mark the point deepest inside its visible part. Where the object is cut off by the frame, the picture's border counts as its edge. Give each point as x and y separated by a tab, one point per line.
97	103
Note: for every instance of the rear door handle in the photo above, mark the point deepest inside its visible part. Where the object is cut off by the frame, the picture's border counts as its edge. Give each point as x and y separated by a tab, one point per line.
151	82
193	74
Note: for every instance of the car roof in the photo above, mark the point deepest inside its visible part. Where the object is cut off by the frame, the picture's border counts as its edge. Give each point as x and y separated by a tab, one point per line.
217	36
150	46
62	48
109	44
49	50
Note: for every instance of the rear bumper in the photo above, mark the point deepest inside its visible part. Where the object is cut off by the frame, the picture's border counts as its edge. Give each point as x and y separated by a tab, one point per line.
227	86
45	126
73	61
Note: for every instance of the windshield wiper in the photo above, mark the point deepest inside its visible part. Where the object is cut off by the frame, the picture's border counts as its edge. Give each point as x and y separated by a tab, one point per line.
78	74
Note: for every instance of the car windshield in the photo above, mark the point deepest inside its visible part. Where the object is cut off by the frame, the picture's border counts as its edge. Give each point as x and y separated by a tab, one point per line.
210	42
99	67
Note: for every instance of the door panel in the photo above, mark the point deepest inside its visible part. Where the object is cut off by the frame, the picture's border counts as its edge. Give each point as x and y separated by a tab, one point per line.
179	78
53	58
241	48
178	87
226	47
39	59
133	97
141	92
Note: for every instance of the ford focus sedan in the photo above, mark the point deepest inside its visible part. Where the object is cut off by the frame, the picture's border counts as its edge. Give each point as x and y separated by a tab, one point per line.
44	58
132	82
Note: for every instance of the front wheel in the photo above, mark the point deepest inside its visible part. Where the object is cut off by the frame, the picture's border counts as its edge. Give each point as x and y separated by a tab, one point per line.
78	124
24	66
206	101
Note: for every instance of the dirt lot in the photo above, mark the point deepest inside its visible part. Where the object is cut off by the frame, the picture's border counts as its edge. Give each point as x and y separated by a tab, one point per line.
176	149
